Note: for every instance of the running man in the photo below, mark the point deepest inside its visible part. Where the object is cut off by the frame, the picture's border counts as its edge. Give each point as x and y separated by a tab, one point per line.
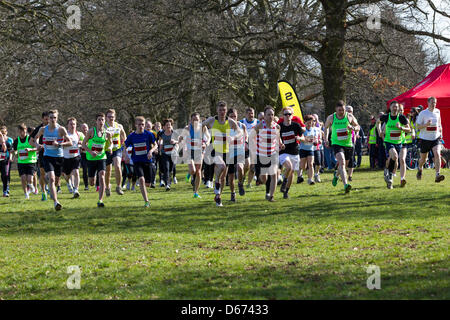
308	148
26	160
40	160
72	158
430	126
394	124
5	147
291	133
84	164
95	145
342	124
237	153
144	144
115	157
220	127
166	147
54	138
196	138
268	144
250	122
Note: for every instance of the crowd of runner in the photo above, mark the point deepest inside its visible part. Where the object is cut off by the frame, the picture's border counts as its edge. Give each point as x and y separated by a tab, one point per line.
218	150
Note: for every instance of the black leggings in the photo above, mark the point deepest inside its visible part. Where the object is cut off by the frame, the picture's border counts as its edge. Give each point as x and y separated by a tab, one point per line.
84	165
166	167
208	170
4	173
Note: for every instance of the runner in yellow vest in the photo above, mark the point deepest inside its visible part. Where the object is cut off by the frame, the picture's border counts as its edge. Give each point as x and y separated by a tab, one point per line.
220	131
342	124
395	124
115	157
26	160
95	145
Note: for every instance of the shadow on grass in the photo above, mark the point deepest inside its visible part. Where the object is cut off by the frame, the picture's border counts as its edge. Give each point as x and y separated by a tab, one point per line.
206	217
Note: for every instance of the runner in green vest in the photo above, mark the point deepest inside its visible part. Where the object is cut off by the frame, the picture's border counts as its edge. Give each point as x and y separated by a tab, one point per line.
95	145
341	124
26	160
395	124
372	143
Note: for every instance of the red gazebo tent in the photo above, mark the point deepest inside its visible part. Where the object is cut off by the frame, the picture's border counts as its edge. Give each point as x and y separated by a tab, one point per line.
436	84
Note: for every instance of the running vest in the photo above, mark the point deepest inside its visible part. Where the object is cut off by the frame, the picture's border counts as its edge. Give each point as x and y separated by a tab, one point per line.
249	125
408	136
26	157
237	146
97	144
393	134
3	155
340	134
167	147
219	136
49	149
266	140
114	130
373	136
73	150
194	140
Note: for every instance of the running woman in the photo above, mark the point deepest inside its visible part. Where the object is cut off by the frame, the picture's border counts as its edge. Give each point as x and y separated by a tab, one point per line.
144	144
72	158
430	126
220	127
341	124
237	153
250	122
394	124
291	133
40	160
55	137
26	160
95	143
308	148
196	138
268	144
166	147
115	157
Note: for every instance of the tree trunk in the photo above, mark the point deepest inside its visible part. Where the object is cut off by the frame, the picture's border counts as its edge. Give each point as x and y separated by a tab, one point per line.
332	59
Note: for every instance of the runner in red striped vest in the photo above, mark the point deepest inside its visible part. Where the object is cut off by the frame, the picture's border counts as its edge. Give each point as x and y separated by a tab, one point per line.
268	142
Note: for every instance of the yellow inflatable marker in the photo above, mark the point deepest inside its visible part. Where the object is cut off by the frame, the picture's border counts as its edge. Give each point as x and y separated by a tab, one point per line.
289	98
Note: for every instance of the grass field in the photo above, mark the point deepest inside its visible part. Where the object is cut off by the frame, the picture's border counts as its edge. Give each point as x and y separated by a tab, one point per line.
316	245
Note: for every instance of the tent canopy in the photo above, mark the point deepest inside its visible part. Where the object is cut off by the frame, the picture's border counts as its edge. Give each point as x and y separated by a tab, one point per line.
436	84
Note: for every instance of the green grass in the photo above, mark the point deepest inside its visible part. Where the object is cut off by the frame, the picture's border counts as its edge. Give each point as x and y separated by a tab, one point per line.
316	245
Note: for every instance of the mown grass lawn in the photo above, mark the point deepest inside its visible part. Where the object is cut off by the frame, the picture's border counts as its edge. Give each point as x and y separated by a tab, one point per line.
316	245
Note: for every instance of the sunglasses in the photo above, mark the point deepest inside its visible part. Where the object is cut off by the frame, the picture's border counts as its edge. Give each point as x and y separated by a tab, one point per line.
288	114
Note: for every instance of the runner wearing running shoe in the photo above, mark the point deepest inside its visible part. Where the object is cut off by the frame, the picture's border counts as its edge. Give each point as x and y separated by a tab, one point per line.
72	158
341	124
40	155
220	127
430	126
196	137
394	124
95	143
144	144
237	153
308	147
55	137
250	122
115	157
291	134
26	160
268	145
